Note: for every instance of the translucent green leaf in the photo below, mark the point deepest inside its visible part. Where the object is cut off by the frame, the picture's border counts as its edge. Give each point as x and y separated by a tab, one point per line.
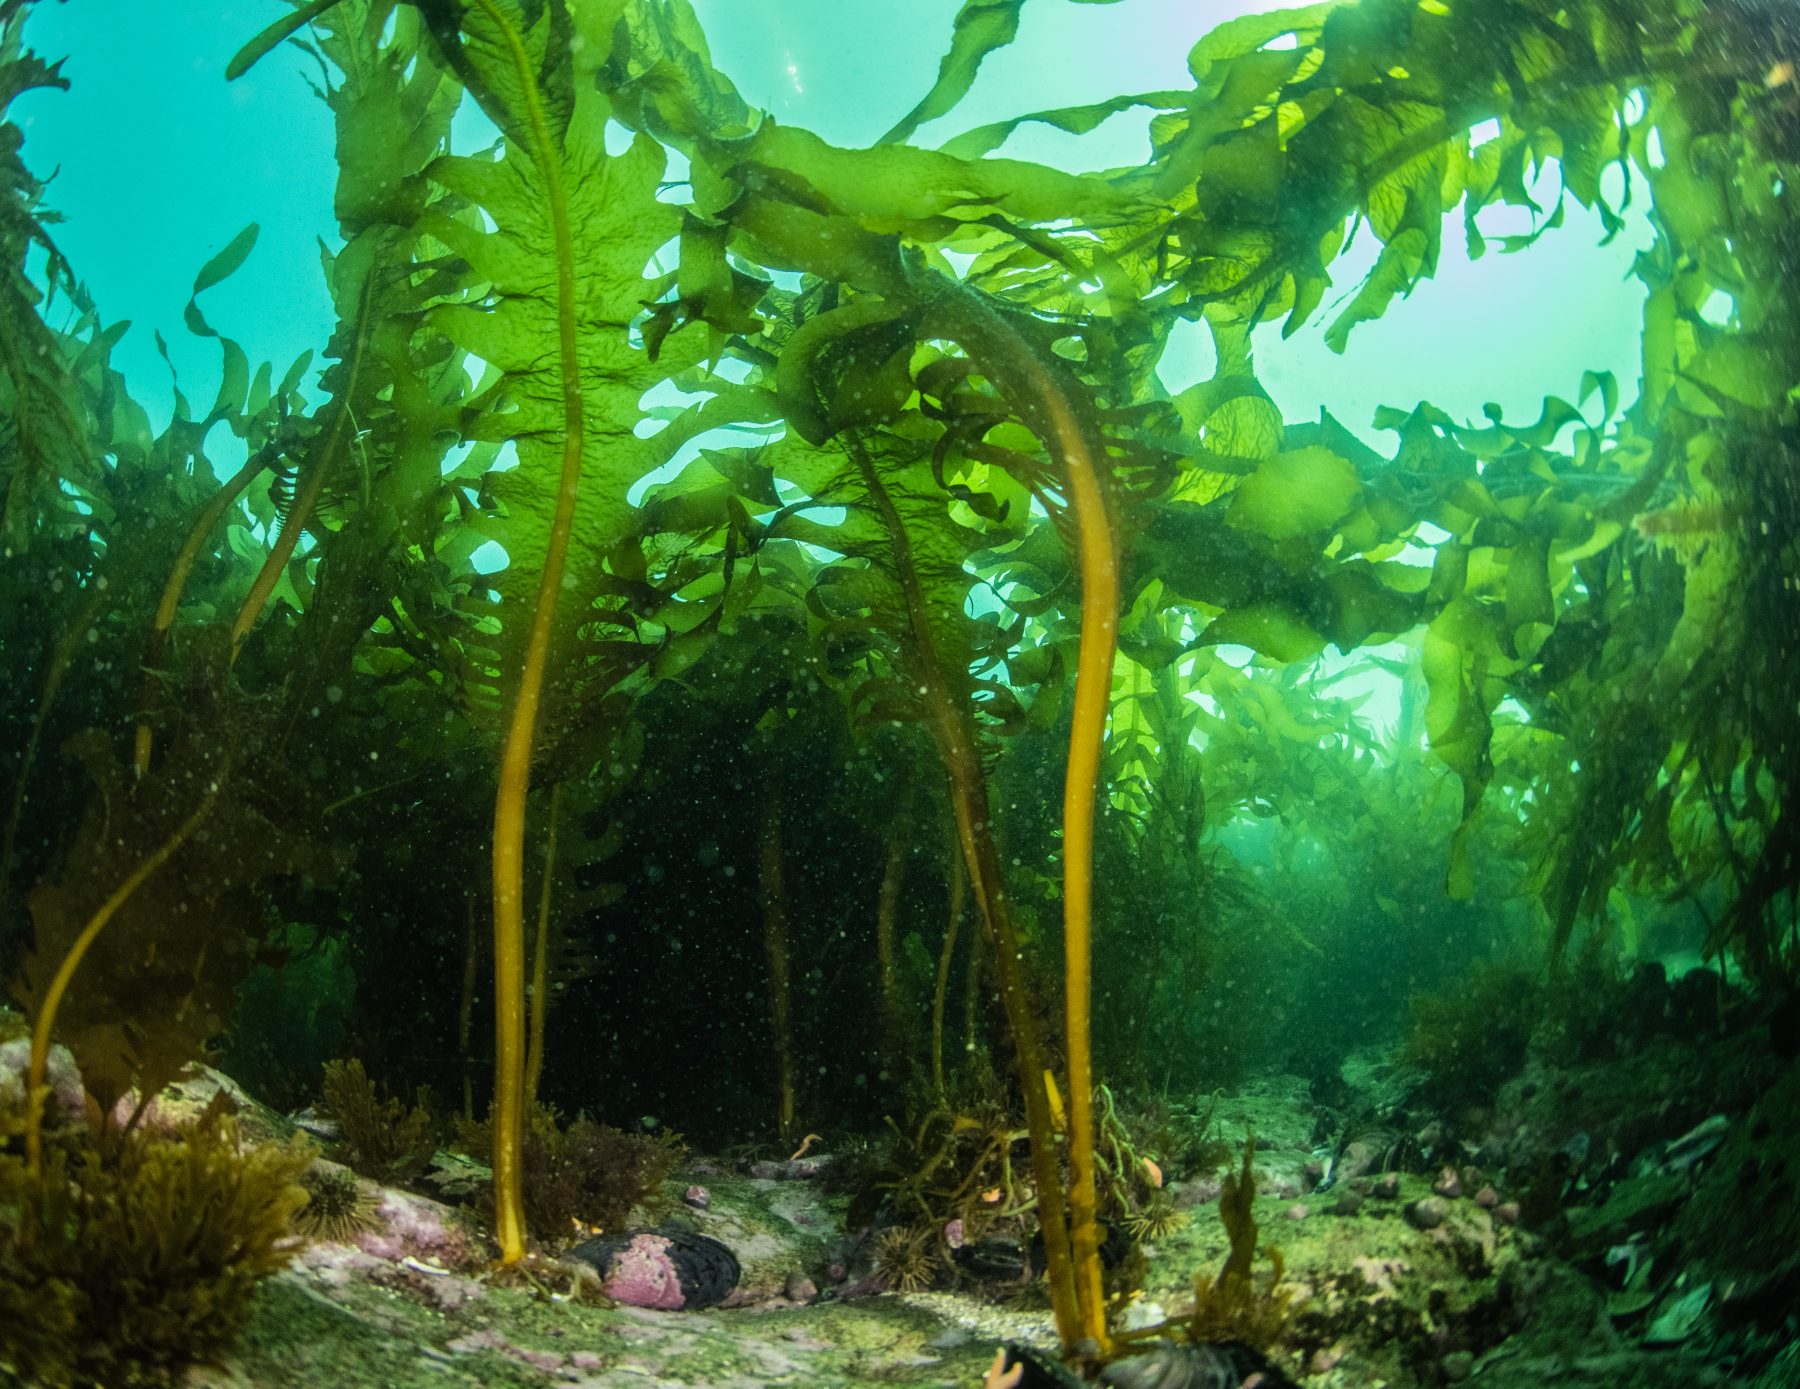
981	27
1076	120
271	37
1737	369
1271	629
1299	493
220	267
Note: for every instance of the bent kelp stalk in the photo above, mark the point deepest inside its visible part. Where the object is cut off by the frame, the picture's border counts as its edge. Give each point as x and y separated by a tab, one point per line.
156	644
515	755
306	497
1045	405
539	997
952	733
887	968
45	1022
959	883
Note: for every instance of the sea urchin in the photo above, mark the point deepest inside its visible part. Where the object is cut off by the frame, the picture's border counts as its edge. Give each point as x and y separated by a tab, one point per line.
338	1206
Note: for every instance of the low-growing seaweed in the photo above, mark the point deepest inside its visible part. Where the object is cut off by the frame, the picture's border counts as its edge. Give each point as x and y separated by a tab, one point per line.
126	1261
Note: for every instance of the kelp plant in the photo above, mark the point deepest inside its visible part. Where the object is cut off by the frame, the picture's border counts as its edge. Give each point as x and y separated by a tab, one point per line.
911	426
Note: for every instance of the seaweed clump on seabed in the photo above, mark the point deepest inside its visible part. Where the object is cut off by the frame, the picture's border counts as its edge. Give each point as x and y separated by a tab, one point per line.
585	1178
379	1136
1235	1320
129	1257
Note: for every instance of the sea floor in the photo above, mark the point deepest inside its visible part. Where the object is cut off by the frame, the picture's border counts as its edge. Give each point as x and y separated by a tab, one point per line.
1643	1269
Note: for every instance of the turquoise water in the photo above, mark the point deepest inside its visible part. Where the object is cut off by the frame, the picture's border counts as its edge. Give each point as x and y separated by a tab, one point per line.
152	138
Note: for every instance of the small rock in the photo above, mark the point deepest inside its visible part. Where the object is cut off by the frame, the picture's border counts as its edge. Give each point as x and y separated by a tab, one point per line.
1448	1185
1347	1203
1297	1211
698	1197
1506	1213
1457	1366
1487	1198
1141	1314
1386	1187
661	1267
1314	1172
800	1288
68	1100
767	1171
1355	1161
1428	1214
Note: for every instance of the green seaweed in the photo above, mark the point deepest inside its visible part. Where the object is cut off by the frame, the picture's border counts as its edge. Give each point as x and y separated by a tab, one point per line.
380	1136
128	1261
900	368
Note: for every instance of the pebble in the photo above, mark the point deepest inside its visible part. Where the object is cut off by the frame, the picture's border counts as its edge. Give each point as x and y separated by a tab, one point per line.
1347	1203
1457	1366
1448	1185
800	1288
698	1197
1487	1198
1429	1213
1506	1213
1297	1211
1386	1187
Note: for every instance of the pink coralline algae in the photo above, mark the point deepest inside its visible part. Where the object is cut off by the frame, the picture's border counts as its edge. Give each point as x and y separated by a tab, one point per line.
643	1275
419	1227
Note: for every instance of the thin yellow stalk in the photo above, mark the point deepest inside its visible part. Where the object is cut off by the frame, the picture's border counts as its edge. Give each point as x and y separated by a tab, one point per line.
515	754
959	881
39	1061
887	906
1043	402
170	603
1093	682
952	732
540	959
306	496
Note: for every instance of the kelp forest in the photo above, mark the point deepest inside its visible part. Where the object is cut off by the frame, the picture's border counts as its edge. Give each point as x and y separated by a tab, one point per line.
724	784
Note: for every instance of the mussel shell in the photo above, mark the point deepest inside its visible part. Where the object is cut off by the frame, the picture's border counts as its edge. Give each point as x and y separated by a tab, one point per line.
1227	1365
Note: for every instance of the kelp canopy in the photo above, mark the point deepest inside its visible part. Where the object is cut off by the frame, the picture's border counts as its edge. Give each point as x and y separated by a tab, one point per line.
804	461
